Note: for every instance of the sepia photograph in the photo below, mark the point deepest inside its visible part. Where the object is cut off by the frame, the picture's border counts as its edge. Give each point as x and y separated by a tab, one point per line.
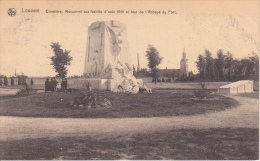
129	80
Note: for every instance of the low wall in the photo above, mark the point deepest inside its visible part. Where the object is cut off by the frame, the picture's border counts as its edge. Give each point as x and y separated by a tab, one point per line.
77	83
100	84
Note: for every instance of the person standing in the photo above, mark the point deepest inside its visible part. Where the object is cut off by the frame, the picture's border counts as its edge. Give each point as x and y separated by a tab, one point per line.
63	84
47	85
55	83
52	84
58	86
66	84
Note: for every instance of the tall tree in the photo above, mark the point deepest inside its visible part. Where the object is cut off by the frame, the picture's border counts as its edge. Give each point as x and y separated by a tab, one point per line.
209	66
237	68
220	65
60	60
154	60
254	58
201	66
228	65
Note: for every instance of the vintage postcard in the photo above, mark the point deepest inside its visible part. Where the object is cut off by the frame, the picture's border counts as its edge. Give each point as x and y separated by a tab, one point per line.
129	80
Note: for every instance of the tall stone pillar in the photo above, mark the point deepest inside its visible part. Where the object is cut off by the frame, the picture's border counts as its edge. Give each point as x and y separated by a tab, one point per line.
108	63
107	51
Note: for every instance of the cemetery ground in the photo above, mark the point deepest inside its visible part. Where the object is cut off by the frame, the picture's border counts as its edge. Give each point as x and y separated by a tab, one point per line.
180	144
167	124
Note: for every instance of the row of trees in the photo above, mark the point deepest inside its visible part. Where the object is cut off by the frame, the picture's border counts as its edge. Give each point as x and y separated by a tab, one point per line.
222	68
225	67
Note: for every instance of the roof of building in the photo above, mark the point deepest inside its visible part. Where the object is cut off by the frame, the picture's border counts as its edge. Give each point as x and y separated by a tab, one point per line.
161	72
168	70
235	84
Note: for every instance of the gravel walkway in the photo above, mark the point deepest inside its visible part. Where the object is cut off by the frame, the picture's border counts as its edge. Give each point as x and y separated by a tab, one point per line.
246	115
5	92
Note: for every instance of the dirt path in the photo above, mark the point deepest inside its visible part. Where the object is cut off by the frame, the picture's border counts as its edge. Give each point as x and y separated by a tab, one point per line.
245	115
4	92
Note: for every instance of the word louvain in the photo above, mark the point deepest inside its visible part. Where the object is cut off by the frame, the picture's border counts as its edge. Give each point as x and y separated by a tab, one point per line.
30	10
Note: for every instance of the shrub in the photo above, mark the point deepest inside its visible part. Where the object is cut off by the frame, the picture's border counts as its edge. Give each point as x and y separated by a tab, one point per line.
158	80
89	99
168	80
27	90
201	94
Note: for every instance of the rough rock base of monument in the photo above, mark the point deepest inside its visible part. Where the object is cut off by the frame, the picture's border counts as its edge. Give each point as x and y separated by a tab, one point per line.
101	84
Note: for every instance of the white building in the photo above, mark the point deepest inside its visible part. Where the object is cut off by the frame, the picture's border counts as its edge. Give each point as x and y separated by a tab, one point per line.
243	86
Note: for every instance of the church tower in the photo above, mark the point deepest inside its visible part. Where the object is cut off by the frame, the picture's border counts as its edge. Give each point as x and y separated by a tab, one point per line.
184	64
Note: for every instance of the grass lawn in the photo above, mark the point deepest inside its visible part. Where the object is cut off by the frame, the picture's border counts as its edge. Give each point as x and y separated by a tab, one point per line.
211	144
159	103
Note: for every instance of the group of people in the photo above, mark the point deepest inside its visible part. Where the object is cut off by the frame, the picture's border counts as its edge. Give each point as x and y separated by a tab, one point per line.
54	85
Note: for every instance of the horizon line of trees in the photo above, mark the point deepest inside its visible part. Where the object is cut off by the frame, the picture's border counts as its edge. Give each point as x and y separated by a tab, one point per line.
226	68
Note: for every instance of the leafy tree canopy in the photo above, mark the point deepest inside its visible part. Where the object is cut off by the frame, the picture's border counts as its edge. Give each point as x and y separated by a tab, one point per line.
153	56
154	59
60	60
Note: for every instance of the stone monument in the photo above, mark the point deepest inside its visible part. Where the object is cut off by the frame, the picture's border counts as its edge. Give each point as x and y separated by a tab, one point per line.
107	48
108	63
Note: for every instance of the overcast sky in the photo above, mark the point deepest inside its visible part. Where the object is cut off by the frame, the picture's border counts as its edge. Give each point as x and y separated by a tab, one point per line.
198	25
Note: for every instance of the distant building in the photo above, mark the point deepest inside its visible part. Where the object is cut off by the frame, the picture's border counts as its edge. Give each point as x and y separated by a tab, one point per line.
184	64
177	73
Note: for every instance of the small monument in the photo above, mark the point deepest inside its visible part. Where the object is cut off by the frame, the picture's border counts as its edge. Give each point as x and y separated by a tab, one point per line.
108	62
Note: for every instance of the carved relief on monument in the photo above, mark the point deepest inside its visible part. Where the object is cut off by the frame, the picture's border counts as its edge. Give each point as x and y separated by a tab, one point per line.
107	50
